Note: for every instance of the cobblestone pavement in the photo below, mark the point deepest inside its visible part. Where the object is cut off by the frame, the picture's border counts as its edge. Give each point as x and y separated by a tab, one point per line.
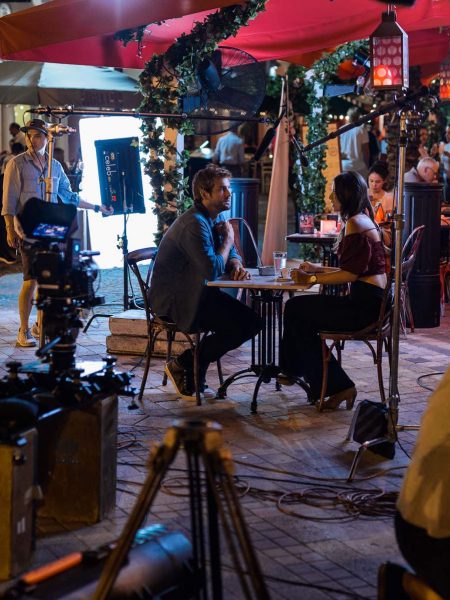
288	446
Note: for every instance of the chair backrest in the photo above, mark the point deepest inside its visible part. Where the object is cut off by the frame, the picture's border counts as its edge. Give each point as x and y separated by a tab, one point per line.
245	242
133	260
385	314
410	250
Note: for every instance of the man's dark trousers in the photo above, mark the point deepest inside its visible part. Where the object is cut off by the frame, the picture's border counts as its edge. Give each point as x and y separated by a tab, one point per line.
230	322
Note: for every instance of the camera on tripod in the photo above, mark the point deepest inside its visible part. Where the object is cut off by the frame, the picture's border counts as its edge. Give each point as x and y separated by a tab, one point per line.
63	271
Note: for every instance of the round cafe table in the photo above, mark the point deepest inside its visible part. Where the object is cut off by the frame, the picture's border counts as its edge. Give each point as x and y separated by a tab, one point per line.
266	298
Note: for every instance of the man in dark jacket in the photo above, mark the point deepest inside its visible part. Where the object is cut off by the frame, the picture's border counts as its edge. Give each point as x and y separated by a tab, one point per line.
198	248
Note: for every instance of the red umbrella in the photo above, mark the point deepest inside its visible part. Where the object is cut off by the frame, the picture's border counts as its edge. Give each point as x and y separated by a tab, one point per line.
82	31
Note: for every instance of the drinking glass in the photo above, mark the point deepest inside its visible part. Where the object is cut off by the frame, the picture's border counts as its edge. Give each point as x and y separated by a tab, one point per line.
279	261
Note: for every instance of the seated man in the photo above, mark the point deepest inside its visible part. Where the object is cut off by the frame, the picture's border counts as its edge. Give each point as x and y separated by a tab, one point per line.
426	171
423	519
198	248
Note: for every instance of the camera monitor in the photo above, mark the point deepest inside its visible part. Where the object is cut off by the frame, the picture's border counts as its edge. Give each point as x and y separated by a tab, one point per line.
46	221
50	231
119	170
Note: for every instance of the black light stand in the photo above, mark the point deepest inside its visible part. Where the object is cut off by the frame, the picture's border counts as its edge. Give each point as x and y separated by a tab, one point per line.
122	244
408	111
202	442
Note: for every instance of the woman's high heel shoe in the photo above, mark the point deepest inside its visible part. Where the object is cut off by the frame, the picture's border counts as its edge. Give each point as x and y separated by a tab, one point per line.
348	395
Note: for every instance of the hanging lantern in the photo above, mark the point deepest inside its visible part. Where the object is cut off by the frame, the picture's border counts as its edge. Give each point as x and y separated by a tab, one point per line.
389	55
444	80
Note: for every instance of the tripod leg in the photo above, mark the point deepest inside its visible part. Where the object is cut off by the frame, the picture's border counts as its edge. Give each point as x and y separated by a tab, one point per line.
197	531
233	521
162	457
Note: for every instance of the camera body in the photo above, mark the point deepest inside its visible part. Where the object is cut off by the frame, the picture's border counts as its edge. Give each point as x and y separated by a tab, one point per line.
67	274
64	273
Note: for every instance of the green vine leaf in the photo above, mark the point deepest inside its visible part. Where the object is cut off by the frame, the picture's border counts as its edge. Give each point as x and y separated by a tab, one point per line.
162	83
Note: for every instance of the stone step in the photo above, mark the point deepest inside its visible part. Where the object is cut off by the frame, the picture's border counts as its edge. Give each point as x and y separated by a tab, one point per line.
129	336
135	344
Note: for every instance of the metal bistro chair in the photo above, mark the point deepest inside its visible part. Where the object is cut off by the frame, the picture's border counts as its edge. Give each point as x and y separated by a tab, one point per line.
409	255
243	239
374	336
156	325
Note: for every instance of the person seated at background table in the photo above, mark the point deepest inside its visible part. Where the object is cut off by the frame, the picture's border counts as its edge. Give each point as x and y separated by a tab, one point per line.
383	205
362	264
422	522
426	171
197	248
382	201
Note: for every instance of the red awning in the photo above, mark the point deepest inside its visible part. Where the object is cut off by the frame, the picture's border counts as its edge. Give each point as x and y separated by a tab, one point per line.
81	31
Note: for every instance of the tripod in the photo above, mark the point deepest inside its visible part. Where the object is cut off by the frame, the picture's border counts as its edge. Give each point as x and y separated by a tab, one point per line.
202	442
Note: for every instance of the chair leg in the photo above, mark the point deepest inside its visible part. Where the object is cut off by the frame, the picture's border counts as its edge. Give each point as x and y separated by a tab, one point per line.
339	347
196	369
148	353
170	338
326	353
409	311
219	371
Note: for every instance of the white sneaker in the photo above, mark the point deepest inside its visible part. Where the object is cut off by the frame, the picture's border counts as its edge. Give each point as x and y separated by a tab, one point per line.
25	339
35	331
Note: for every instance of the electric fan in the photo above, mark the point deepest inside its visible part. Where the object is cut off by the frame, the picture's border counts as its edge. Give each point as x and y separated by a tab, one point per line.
229	83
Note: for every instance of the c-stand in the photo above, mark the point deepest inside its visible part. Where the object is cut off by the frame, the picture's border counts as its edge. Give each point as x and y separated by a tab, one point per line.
122	244
202	442
408	112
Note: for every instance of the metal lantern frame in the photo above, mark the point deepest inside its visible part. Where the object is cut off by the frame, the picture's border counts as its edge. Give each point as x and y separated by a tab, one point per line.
389	55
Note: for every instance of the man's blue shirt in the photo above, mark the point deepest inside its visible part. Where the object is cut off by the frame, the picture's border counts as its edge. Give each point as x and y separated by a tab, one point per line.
24	180
187	259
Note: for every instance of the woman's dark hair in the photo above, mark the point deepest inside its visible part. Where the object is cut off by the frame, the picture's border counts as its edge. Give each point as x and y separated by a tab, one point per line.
380	168
351	192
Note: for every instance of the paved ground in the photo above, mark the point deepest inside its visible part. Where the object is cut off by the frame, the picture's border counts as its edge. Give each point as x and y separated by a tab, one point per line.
287	447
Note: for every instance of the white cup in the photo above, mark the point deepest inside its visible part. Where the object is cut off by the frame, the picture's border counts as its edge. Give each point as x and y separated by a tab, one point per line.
279	261
286	273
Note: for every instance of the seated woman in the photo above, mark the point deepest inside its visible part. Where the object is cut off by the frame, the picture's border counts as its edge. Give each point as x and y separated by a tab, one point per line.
362	264
383	205
382	201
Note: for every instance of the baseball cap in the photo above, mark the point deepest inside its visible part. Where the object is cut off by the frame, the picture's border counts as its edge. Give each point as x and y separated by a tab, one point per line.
37	124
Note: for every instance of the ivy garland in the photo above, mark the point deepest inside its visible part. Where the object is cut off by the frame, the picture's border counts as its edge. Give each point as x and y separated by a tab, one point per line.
163	82
309	188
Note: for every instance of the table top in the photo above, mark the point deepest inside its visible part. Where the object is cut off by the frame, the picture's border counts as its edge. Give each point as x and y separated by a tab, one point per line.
326	239
259	282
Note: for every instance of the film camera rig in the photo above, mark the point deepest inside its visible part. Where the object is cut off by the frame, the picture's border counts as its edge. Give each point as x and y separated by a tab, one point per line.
65	277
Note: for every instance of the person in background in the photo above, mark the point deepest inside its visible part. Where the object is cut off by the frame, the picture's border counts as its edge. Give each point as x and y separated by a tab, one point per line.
229	152
362	263
423	148
422	522
6	253
444	151
382	201
17	136
24	179
16	149
354	145
197	248
426	171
